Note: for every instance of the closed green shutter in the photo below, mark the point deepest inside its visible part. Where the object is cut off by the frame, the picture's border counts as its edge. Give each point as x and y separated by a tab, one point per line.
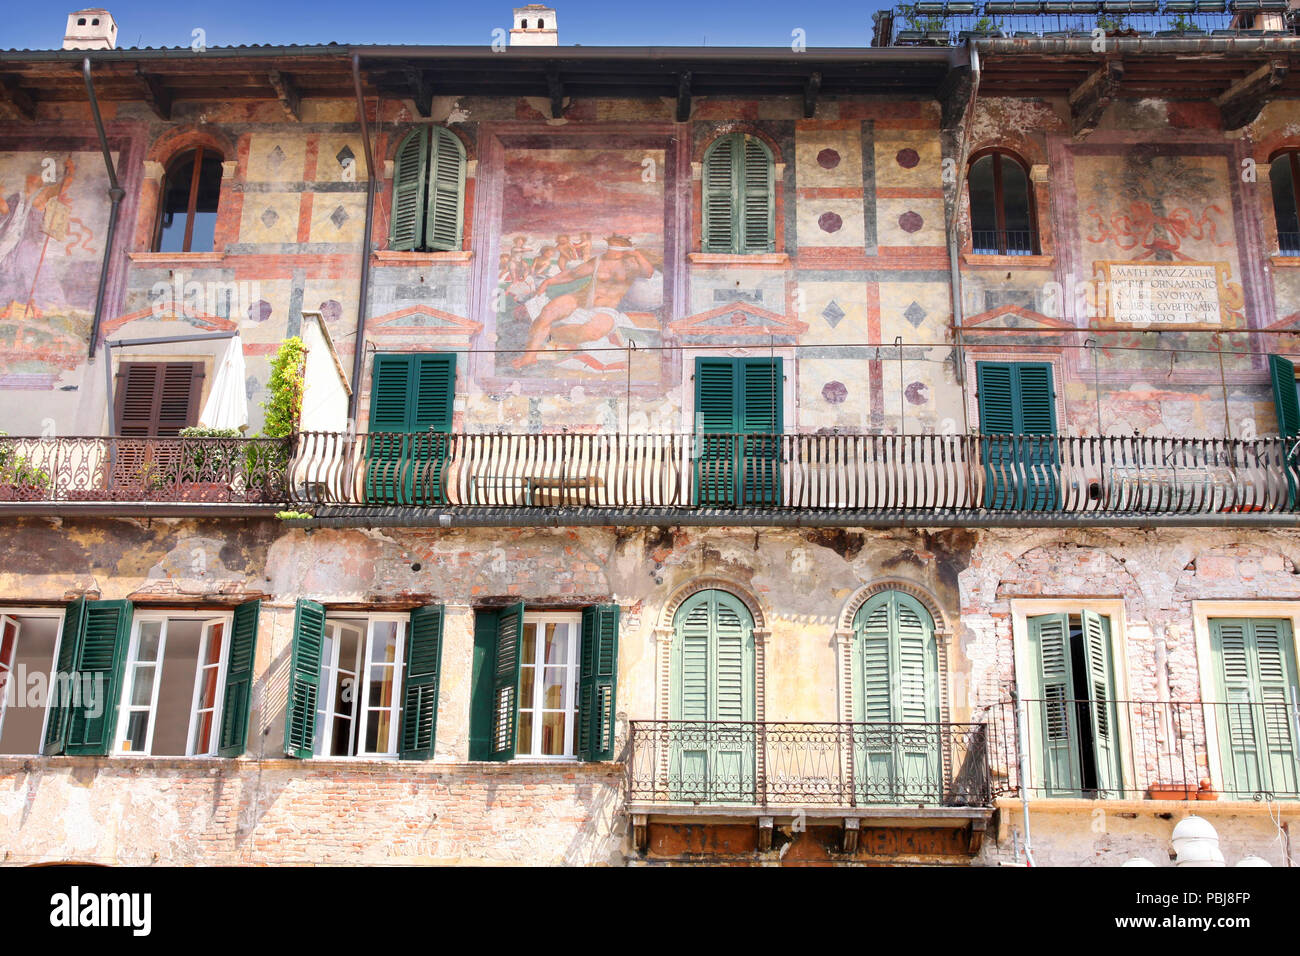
1103	712
1052	697
1282	373
761	387
717	420
411	405
60	706
738	196
597	682
239	680
304	678
446	191
1256	670
756	213
738	418
406	218
1017	403
505	682
720	196
420	690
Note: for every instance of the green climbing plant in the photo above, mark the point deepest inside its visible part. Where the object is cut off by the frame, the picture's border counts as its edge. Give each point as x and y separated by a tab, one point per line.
285	405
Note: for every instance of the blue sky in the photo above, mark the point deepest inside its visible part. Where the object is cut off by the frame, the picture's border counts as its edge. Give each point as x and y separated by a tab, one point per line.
591	23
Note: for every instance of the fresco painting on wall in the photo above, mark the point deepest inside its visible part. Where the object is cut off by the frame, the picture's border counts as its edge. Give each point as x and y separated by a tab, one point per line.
580	271
49	262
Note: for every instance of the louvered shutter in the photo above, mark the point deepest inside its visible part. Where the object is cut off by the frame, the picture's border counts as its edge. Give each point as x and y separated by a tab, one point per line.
873	701
481	682
597	682
995	382
1276	677
101	652
137	393
420	689
60	705
756	212
717	423
1052	695
761	421
433	387
1102	709
505	682
406	218
1016	399
1038	457
239	679
304	678
411	403
721	196
1282	373
446	191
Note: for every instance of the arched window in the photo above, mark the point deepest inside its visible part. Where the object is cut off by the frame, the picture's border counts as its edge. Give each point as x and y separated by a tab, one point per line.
738	196
428	191
711	702
1284	174
1001	206
187	210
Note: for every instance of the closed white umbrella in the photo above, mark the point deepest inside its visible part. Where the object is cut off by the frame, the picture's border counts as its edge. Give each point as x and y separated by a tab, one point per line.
227	404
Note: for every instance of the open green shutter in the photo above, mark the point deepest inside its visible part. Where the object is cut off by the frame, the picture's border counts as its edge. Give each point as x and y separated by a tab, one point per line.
1275	672
92	720
1052	696
1105	729
721	196
446	191
56	724
757	195
406	218
597	682
1282	373
420	690
304	678
239	679
505	682
480	694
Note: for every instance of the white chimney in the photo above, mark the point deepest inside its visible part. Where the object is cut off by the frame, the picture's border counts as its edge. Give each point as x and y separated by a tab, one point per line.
534	25
93	29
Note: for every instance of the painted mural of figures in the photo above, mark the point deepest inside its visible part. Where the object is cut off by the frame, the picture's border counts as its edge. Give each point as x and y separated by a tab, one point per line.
590	311
566	255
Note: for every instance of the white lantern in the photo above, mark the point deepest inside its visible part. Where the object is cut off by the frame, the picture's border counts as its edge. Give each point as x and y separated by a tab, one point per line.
1196	843
1254	861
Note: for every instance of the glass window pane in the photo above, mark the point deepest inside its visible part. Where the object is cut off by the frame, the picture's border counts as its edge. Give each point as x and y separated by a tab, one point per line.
216	634
553	733
142	689
524	744
1284	205
557	643
202	734
553	692
527	676
381	687
150	633
1015	199
528	648
7	642
342	737
137	729
383	646
377	731
983	210
207	687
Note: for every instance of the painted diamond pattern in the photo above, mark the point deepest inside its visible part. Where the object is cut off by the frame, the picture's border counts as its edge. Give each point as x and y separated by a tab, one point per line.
833	314
339	216
344	154
269	217
275	158
915	314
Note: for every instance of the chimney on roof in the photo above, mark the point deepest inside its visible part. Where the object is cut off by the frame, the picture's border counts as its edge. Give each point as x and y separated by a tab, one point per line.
534	25
90	30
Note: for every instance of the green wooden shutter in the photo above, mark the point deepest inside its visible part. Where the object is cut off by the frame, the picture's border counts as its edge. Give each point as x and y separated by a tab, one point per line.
717	422
241	649
1282	373
480	695
757	197
56	724
597	682
420	689
721	196
412	397
505	682
304	678
873	701
1052	696
1103	712
406	218
446	191
1017	399
995	383
92	718
761	421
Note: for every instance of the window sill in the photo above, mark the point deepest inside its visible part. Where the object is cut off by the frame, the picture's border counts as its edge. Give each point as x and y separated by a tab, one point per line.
177	258
1285	262
1004	262
732	259
388	257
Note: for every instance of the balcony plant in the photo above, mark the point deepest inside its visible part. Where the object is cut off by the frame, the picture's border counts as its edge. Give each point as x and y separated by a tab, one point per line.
20	480
267	463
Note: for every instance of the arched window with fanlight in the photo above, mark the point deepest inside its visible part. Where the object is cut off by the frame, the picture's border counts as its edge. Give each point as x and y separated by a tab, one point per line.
1001	206
187	209
1284	175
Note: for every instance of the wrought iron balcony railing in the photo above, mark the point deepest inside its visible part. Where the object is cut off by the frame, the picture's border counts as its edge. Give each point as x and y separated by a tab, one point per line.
162	470
824	765
1129	749
885	474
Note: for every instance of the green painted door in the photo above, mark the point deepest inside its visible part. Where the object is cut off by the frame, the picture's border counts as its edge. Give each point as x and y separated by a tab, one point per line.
408	446
712	734
1254	661
1017	405
897	735
738	423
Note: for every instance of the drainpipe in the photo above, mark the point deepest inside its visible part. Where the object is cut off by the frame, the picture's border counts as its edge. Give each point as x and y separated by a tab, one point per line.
1022	761
363	293
115	194
954	267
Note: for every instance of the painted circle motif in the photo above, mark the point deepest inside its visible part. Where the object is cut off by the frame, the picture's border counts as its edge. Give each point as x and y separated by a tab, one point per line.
830	222
835	393
910	221
907	158
917	393
828	158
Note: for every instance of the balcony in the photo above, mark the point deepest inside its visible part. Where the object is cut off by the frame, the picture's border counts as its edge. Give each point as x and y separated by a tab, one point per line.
838	479
886	774
1158	750
117	475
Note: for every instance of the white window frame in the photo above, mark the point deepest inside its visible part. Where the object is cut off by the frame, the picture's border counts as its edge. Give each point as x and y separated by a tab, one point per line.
1113	608
361	699
48	613
1202	612
124	706
541	618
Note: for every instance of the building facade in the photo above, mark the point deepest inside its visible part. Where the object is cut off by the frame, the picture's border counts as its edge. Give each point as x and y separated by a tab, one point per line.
841	456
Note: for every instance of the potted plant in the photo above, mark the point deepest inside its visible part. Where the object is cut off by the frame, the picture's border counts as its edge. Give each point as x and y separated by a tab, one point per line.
20	480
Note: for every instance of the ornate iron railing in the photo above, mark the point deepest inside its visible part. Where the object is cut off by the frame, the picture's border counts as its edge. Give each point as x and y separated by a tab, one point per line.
920	474
770	763
118	469
1129	749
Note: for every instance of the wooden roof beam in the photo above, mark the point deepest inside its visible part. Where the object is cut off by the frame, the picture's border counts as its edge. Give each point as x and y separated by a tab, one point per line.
17	98
421	82
555	90
155	93
288	94
1088	100
683	97
811	87
954	97
1241	103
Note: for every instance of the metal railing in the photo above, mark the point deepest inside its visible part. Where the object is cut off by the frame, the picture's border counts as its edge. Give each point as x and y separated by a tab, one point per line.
1002	242
770	763
1129	749
119	469
1288	243
835	472
946	23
